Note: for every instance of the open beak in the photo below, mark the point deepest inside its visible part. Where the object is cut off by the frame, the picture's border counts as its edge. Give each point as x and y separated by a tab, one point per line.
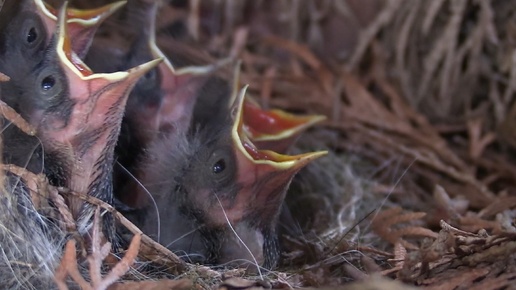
82	24
178	98
98	104
263	175
180	86
180	90
275	130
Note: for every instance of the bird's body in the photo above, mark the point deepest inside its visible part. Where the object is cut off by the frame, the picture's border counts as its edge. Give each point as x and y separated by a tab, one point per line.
36	84
218	198
139	122
183	135
27	234
173	223
188	203
159	103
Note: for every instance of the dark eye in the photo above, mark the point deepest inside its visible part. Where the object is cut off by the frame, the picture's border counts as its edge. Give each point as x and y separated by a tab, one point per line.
48	83
148	81
150	75
32	35
219	166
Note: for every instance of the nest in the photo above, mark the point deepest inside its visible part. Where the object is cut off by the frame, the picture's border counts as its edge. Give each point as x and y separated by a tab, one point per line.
420	182
419	96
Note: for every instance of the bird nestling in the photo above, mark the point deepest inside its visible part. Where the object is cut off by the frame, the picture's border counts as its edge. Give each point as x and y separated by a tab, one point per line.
159	99
88	132
195	131
218	197
77	115
201	146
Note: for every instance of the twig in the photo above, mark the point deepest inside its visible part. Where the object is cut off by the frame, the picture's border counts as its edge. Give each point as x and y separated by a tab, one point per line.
39	187
194	19
68	266
371	31
430	15
10	114
99	252
150	250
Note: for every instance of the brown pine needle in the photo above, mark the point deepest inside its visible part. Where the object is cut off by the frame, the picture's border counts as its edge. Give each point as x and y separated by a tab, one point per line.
8	113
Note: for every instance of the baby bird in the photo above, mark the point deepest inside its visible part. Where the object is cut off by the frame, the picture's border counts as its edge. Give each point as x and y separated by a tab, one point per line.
159	100
77	115
218	197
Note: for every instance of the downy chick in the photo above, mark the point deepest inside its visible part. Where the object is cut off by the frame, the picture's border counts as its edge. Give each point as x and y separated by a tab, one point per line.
218	197
77	115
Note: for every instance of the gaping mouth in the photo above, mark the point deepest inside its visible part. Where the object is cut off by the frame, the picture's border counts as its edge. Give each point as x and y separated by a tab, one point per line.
262	125
82	24
246	148
85	18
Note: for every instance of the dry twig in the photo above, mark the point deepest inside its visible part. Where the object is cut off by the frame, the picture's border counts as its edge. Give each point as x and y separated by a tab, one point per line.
150	249
384	221
69	266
